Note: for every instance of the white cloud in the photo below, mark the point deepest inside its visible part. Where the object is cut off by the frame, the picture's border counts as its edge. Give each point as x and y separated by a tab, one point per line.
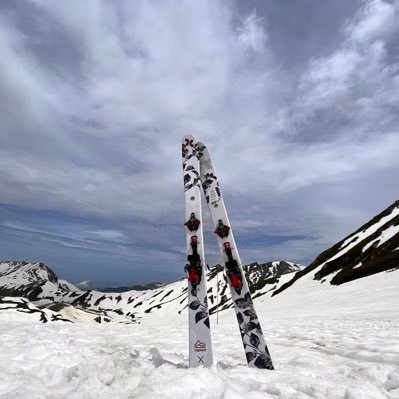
252	33
105	139
355	82
107	234
150	78
376	21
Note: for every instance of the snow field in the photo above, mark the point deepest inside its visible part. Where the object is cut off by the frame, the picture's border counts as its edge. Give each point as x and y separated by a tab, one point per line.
352	357
376	296
326	342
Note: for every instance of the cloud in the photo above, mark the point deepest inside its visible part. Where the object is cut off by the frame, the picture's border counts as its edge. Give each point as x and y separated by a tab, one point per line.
355	82
108	234
377	20
251	34
95	97
114	133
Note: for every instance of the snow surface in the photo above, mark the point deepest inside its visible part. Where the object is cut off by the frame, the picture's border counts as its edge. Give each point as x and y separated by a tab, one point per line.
68	285
387	234
356	238
314	358
20	309
326	342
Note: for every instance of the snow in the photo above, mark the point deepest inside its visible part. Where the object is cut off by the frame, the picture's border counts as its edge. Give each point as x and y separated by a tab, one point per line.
326	342
374	296
21	310
123	307
384	236
31	272
314	358
68	285
356	238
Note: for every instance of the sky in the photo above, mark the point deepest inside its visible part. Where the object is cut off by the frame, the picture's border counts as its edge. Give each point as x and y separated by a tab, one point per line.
297	101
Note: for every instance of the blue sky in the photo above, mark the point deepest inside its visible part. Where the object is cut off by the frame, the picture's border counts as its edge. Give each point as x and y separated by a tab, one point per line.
297	102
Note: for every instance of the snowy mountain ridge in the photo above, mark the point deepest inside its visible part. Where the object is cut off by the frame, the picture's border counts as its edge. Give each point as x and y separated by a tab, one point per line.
373	248
38	283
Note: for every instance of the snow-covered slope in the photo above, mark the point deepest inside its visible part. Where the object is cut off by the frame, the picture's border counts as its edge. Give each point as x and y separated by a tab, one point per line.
20	309
32	280
39	283
372	249
260	275
327	342
375	296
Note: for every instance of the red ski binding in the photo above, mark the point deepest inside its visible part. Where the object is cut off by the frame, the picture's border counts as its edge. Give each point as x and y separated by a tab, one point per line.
193	268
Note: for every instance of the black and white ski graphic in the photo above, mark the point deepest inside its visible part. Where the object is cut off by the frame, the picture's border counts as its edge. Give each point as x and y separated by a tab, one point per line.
255	348
200	343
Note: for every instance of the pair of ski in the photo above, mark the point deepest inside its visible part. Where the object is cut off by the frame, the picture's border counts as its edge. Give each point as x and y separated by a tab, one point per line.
199	172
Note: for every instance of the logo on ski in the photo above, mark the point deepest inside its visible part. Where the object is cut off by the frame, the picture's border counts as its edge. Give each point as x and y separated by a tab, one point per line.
201	359
200	346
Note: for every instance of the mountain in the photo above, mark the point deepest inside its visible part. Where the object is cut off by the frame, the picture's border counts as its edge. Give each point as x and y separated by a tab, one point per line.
327	340
30	280
257	275
38	283
138	287
260	274
373	248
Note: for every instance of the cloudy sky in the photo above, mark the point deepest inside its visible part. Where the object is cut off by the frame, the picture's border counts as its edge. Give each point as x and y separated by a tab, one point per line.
298	102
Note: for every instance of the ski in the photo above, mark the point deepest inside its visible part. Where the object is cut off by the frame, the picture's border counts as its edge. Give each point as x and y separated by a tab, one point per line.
255	348
200	343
